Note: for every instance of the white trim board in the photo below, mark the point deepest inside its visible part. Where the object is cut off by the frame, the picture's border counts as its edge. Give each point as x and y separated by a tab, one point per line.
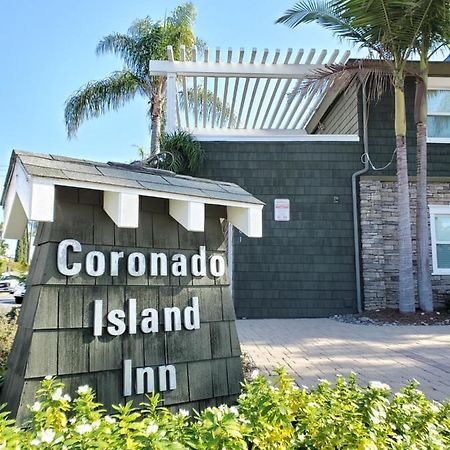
218	134
436	210
32	198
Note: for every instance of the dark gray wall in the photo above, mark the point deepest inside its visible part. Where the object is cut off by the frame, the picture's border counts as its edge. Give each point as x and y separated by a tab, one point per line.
382	143
342	117
304	267
55	335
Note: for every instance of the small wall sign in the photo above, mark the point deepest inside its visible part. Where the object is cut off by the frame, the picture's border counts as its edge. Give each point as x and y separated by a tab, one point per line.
282	210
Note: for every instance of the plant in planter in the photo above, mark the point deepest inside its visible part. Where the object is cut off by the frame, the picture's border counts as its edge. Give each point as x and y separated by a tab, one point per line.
180	153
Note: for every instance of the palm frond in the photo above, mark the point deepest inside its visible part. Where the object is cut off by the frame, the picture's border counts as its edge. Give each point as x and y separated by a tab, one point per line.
329	15
375	74
211	103
98	97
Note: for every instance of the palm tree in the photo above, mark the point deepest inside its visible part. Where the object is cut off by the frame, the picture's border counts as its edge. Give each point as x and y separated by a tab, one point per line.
435	32
388	29
144	41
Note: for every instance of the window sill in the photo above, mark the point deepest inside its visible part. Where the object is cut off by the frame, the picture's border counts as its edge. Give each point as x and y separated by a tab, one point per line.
440	272
438	140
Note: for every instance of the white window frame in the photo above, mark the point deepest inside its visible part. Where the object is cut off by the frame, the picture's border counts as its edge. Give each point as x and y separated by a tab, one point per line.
439	84
437	210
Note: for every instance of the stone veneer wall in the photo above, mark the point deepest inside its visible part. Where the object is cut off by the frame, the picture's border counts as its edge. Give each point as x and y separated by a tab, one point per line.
378	212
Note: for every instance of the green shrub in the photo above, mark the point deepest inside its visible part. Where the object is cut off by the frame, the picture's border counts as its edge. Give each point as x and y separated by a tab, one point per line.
180	153
267	416
8	328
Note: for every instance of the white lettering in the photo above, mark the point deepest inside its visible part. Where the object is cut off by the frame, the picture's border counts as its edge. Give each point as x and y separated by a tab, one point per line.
132	316
136	264
198	263
158	264
118	326
192	315
179	265
149	322
172	319
62	257
145	378
95	264
217	265
98	317
127	377
114	264
147	385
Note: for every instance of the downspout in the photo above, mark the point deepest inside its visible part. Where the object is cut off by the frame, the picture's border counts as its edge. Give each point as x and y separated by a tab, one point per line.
356	237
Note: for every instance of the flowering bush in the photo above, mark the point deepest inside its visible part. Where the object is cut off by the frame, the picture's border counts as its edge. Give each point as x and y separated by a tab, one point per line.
267	416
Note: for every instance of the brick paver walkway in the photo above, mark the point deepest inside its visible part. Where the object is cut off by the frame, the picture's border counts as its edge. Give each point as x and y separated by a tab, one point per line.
321	348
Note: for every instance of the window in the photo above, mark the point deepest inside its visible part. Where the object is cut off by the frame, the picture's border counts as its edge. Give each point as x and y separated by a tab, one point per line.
439	108
440	238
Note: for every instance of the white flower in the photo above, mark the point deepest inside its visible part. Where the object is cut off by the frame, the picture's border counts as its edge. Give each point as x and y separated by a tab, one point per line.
234	410
379	385
305	387
152	428
67	398
183	412
83	428
47	435
83	389
35	442
95	424
36	406
110	419
254	374
48	377
57	395
301	438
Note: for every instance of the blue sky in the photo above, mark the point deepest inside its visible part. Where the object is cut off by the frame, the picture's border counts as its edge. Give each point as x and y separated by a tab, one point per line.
48	51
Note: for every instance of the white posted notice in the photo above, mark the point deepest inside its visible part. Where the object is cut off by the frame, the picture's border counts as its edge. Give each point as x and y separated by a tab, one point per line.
282	209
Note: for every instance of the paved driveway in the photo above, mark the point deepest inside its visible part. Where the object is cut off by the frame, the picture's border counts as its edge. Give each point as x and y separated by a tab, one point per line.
321	348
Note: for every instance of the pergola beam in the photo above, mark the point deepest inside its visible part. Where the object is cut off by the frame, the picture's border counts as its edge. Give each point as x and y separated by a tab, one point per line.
230	70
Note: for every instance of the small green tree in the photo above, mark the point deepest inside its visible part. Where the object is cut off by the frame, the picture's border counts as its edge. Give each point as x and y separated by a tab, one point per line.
22	249
3	244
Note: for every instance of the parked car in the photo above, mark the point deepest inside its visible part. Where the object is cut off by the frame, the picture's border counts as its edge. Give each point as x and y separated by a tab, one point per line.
19	293
8	283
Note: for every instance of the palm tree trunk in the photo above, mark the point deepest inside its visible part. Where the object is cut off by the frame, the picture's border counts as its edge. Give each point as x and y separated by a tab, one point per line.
406	279
424	288
156	111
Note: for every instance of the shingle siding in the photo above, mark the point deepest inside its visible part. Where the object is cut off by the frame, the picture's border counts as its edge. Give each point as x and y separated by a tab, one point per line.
304	267
342	117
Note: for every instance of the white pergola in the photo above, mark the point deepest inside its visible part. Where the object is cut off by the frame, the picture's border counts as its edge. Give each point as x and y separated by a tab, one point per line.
258	93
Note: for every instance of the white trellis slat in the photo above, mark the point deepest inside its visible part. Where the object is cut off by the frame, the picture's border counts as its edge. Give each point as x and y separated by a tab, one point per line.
216	82
205	90
264	92
257	91
283	93
244	92
316	99
294	109
185	90
225	93
194	59
275	89
235	91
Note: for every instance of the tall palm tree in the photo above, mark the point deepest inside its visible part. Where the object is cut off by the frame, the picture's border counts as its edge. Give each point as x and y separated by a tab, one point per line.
144	41
435	32
387	28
